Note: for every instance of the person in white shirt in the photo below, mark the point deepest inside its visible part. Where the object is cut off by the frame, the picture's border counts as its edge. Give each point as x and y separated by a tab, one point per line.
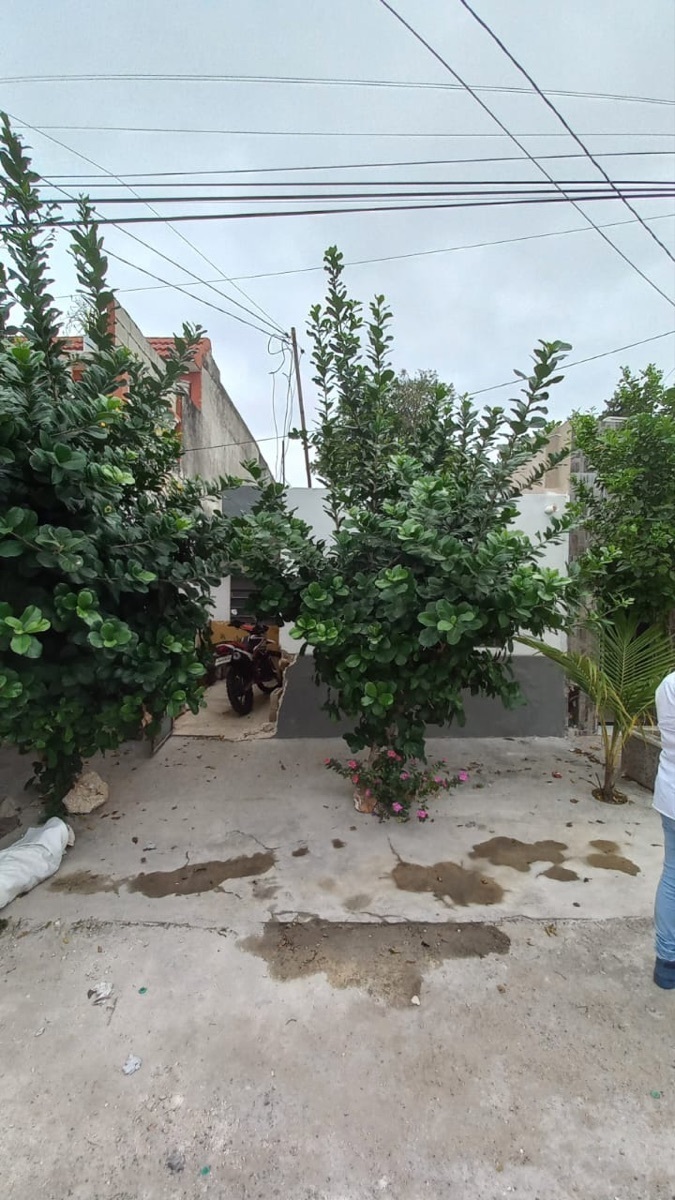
664	803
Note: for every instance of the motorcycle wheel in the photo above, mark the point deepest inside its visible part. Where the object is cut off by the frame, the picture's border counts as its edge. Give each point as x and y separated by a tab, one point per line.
273	680
239	693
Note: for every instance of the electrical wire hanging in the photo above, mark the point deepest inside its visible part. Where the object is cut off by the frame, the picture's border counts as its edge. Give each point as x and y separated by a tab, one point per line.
515	138
274	325
566	125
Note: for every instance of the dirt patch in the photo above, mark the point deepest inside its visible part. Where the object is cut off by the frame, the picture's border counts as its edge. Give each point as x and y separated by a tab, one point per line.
562	874
300	852
194	878
9	824
509	852
388	960
338	844
85	883
608	859
447	880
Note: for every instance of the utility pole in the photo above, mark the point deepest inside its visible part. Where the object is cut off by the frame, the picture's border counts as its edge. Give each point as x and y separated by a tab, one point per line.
301	405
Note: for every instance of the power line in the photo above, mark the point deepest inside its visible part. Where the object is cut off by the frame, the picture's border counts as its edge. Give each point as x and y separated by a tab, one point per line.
296	133
515	138
147	245
314	81
481	391
566	125
650	187
180	288
561	198
359	262
418	162
580	361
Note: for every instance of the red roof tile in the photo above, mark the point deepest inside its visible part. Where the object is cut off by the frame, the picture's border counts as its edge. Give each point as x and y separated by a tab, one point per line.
165	345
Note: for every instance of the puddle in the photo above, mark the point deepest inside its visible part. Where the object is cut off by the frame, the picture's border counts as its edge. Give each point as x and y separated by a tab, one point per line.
302	850
338	844
509	852
562	874
85	883
189	880
388	960
194	878
608	859
447	879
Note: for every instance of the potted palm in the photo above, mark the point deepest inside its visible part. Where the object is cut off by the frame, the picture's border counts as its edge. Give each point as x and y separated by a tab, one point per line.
619	674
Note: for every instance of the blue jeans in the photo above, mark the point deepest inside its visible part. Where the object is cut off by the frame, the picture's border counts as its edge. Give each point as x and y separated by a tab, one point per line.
664	909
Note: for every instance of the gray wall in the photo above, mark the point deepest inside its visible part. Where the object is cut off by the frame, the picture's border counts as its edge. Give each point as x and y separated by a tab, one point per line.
543	715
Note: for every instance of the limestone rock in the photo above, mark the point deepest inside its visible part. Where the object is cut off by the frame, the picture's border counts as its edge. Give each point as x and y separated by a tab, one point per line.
88	792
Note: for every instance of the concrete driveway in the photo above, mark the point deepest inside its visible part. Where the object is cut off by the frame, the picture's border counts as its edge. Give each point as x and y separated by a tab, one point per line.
267	948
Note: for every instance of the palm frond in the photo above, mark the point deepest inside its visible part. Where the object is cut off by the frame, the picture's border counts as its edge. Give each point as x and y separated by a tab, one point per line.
635	663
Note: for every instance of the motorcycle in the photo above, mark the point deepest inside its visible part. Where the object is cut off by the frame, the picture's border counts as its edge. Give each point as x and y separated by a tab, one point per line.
253	660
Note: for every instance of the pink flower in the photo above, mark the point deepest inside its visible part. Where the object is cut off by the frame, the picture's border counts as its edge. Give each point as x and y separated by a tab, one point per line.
326	762
392	754
352	764
405	775
462	776
422	814
355	778
438	778
368	792
396	807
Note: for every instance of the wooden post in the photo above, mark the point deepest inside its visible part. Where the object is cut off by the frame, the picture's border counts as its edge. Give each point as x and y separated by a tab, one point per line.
301	405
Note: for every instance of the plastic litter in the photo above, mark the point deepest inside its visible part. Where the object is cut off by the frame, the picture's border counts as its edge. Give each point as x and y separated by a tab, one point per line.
205	1171
415	1000
99	994
142	991
132	1065
32	859
655	1095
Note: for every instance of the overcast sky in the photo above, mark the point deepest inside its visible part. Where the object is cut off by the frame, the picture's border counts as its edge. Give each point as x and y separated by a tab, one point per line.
471	314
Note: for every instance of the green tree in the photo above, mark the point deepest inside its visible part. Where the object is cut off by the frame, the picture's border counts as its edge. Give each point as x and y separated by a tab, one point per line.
629	514
106	555
427	581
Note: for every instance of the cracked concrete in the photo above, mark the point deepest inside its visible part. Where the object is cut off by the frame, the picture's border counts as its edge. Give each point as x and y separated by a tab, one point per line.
538	1071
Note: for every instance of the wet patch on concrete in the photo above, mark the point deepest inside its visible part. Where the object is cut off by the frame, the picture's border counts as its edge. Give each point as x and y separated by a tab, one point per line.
358	903
9	824
608	859
188	880
338	844
300	852
447	880
388	960
562	874
85	883
194	878
509	852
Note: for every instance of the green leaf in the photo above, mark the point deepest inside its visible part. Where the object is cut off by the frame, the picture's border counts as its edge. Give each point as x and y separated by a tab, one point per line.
25	645
10	549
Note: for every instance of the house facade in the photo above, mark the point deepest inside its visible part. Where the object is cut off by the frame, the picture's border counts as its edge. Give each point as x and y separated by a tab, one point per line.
216	439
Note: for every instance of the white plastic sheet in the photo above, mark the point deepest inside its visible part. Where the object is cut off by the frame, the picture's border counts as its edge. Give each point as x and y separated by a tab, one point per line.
35	857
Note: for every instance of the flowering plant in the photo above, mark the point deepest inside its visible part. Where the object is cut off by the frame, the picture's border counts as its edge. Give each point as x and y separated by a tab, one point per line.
396	787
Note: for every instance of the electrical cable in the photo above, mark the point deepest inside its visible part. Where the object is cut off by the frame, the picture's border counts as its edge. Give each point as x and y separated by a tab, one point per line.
566	125
359	262
580	361
150	77
417	162
466	188
515	139
296	133
147	245
560	198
